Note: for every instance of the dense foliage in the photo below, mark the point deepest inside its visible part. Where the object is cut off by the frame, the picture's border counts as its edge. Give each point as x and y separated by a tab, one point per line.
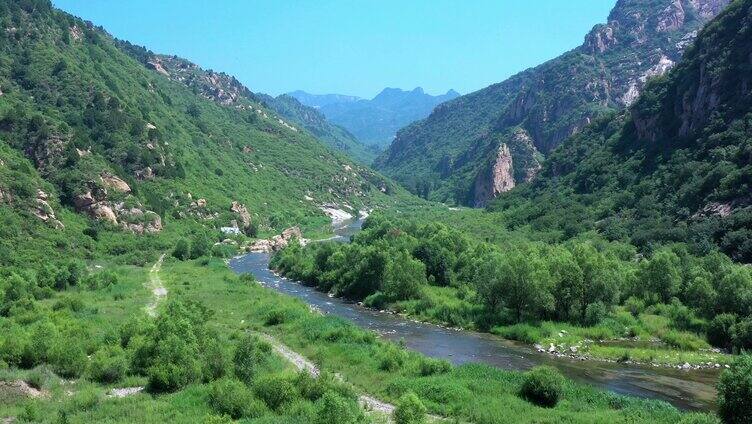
442	274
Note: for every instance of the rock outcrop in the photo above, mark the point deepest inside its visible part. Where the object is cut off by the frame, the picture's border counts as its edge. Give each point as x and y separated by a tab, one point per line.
496	179
278	242
44	211
114	182
130	215
243	215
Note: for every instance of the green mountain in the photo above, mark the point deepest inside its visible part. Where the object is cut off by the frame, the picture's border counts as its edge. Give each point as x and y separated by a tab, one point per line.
316	123
375	121
479	145
674	167
228	91
138	150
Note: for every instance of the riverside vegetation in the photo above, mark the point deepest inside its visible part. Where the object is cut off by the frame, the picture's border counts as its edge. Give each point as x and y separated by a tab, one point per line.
106	166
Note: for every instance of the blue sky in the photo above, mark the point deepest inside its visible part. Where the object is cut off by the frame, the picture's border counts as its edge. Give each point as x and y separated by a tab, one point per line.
353	47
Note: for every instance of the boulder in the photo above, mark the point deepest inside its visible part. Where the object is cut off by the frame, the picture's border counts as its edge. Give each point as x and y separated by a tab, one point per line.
114	182
242	212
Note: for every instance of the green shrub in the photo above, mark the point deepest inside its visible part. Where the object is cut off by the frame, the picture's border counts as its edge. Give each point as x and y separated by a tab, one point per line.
108	365
595	313
216	361
392	358
249	352
700	418
313	389
742	335
275	391
181	250
376	300
233	398
67	358
430	366
247	278
280	316
542	386
409	410
719	331
525	333
84	399
635	306
683	341
735	392
333	408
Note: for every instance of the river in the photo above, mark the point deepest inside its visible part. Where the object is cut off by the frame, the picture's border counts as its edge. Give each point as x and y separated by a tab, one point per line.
689	390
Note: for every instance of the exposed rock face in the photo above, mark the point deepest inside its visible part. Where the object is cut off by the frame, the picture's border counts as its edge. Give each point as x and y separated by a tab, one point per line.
44	211
242	212
114	182
495	180
600	39
671	18
278	242
134	218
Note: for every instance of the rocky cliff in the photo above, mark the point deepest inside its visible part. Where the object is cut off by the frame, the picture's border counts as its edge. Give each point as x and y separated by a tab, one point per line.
641	39
675	166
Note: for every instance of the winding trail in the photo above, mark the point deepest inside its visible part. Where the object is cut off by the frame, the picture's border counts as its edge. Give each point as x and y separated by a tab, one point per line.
158	289
369	403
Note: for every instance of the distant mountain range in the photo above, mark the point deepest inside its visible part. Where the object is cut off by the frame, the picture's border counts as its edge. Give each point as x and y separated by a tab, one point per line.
375	121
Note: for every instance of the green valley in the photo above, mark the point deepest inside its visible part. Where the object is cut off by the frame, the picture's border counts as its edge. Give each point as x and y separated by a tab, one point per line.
175	247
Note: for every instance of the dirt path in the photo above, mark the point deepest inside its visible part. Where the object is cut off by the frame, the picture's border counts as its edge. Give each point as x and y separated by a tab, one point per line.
158	289
369	403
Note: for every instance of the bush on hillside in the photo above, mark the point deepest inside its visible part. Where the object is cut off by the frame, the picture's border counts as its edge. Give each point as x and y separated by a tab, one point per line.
108	365
333	408
232	397
67	358
249	352
409	410
275	391
181	250
542	386
742	335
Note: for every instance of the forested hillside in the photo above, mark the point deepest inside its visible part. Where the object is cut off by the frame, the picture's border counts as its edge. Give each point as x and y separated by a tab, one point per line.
315	122
228	91
473	148
133	150
674	167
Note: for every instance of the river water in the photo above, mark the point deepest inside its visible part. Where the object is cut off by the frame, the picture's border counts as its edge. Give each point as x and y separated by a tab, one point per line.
691	390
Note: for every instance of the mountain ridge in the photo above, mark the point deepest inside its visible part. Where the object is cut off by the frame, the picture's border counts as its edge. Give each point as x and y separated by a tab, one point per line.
457	142
375	121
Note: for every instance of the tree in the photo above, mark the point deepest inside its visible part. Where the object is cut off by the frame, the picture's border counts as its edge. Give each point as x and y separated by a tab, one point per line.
518	281
735	292
735	392
720	330
598	282
568	282
660	276
403	277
